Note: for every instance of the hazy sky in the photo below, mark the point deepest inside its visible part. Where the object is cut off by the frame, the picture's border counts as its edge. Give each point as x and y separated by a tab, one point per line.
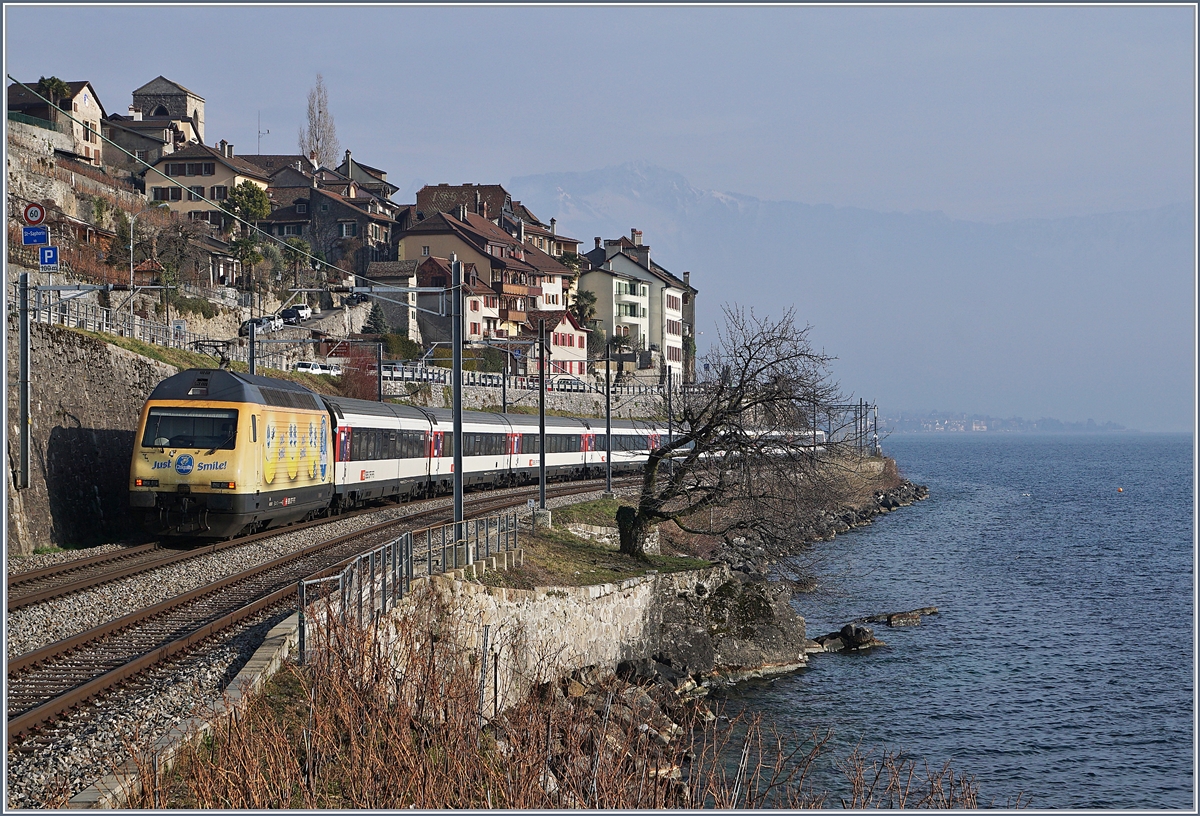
983	113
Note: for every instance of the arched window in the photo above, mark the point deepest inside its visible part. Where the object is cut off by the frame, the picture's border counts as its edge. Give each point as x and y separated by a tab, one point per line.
161	110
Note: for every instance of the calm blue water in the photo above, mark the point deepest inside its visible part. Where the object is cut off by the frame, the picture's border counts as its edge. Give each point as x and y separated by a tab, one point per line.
1061	664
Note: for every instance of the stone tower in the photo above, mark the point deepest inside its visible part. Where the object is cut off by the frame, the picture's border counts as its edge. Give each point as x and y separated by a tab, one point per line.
162	97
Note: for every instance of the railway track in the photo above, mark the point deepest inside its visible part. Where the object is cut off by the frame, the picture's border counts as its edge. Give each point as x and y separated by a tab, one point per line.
37	586
45	683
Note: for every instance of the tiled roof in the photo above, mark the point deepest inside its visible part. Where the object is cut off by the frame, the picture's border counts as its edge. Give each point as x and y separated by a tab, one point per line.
544	262
447	198
286	215
273	162
391	269
552	317
197	151
319	191
19	98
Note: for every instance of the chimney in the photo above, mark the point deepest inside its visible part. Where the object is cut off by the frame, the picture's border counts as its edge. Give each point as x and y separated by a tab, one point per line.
687	279
135	113
597	242
349	166
521	230
553	221
478	204
229	151
221	147
635	235
485	208
312	159
462	213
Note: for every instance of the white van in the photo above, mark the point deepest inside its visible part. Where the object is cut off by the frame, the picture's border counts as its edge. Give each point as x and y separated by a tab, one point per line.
310	367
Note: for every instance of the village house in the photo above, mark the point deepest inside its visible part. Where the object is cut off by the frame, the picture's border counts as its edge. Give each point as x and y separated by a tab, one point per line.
500	259
399	308
205	173
639	299
566	345
82	106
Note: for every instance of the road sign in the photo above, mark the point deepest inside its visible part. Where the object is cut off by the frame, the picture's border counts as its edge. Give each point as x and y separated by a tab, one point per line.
35	236
34	214
48	258
179	328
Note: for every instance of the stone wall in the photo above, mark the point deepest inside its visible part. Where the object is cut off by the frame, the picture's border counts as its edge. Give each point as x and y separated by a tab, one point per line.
701	623
85	400
35	175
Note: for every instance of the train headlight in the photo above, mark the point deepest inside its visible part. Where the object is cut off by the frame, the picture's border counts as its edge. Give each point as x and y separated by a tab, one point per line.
225	485
145	482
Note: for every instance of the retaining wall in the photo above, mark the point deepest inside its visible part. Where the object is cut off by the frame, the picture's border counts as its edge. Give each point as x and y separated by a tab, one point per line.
85	399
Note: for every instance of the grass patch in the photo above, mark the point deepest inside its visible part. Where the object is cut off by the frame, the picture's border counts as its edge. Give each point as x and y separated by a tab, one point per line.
47	550
556	557
184	359
599	513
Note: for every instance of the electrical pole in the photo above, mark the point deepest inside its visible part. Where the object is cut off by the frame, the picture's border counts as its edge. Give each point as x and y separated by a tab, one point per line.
379	372
608	446
542	413
251	366
456	312
23	379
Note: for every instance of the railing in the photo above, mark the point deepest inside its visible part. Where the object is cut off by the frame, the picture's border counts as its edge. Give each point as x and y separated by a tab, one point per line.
402	372
33	120
371	581
75	313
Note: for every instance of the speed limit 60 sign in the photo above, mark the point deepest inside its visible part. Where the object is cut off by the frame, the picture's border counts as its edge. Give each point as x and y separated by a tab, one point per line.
34	214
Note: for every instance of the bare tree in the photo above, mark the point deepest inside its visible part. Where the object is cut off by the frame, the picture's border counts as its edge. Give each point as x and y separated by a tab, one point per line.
744	438
320	136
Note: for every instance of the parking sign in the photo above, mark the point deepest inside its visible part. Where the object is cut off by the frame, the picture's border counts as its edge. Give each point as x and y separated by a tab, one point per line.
48	257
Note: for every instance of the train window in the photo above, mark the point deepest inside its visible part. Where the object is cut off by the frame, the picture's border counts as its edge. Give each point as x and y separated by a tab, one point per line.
356	445
531	443
190	428
253	427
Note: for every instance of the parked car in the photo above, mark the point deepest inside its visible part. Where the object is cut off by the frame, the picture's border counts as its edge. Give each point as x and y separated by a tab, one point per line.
311	367
275	322
291	316
304	309
356	297
261	326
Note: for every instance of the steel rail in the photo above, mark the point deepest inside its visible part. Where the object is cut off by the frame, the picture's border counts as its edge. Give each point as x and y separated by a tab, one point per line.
37	586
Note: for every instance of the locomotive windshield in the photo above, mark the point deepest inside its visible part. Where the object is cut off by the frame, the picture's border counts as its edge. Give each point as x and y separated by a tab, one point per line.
190	428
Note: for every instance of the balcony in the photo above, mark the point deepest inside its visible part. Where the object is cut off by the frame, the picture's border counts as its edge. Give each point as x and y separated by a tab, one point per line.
512	315
519	289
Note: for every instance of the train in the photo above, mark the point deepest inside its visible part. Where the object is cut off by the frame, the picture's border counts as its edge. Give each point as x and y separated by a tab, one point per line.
219	453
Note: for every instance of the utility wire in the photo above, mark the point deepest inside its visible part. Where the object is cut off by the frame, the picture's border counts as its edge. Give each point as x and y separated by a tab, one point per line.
282	243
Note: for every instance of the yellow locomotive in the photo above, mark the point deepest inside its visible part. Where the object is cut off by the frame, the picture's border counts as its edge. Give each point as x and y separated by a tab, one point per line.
218	453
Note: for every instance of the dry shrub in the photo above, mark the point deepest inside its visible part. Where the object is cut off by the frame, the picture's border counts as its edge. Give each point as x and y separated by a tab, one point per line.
364	726
359	380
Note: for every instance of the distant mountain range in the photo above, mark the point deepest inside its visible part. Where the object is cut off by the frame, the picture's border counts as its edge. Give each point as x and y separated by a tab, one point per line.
1043	317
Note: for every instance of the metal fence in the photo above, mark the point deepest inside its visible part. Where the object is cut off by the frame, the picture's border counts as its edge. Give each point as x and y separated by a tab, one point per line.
33	120
52	309
410	372
372	582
